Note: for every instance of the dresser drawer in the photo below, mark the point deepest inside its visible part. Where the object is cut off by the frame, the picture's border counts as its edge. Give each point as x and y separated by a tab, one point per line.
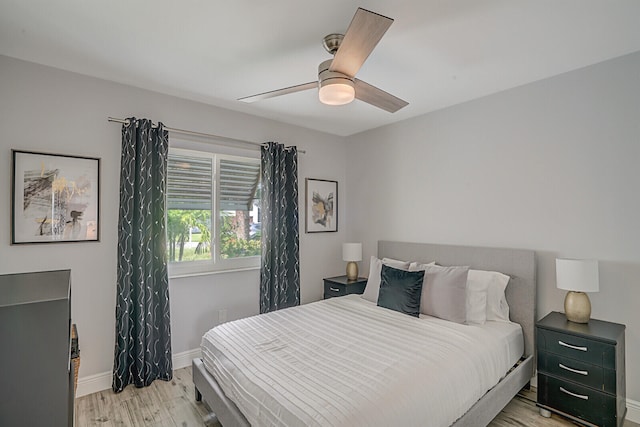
575	347
579	401
577	371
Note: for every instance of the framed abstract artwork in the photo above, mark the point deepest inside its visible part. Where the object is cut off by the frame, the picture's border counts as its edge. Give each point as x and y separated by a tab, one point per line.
321	205
55	198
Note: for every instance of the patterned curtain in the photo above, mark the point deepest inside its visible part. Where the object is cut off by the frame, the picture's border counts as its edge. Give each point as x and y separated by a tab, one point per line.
280	268
143	335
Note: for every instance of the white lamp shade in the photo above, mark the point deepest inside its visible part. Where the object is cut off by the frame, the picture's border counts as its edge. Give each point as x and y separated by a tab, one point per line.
579	275
352	251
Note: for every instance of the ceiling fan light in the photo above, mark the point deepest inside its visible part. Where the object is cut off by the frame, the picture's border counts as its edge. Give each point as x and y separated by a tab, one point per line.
337	91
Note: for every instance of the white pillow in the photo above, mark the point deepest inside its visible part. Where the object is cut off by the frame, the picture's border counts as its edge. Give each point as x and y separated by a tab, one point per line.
375	270
476	298
416	266
495	284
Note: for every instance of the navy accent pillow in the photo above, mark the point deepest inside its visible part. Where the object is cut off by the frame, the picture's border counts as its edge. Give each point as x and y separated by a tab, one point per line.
400	290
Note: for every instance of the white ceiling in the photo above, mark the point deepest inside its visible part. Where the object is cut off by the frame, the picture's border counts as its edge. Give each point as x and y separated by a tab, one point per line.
437	53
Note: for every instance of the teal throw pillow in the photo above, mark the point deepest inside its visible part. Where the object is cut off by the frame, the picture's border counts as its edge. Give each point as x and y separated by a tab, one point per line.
400	290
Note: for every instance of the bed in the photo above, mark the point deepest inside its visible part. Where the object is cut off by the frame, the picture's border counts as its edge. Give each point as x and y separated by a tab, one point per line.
520	294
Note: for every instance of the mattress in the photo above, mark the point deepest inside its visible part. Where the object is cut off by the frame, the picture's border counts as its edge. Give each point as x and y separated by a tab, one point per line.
510	336
346	362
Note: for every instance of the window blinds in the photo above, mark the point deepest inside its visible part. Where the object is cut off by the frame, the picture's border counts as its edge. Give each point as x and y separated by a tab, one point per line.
189	183
238	184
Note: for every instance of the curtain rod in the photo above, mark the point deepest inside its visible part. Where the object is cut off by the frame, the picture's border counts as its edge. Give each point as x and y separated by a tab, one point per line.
198	134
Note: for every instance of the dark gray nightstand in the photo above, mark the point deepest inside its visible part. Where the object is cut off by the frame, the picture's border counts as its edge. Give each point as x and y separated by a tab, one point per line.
339	286
581	371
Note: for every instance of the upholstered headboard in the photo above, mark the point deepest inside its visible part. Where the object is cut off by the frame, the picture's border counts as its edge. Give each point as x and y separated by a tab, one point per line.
519	264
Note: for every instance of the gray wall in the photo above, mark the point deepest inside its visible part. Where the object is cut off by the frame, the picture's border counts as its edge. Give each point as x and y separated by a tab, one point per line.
550	166
44	109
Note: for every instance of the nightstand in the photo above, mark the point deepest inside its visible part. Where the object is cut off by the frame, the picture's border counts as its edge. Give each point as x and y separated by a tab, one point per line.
581	370
338	286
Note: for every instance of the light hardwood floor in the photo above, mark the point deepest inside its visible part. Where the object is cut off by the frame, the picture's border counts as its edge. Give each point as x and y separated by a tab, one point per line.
172	404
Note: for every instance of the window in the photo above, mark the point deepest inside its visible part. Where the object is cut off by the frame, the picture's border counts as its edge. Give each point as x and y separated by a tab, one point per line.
213	212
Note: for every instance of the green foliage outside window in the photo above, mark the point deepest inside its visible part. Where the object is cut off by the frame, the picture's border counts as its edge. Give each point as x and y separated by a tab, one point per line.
235	237
235	241
179	222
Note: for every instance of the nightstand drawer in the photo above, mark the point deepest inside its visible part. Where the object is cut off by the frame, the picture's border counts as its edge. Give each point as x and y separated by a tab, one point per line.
575	347
341	285
577	371
334	290
581	402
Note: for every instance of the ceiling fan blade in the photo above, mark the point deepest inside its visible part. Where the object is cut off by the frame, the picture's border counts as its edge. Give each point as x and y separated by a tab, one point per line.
279	92
362	36
377	97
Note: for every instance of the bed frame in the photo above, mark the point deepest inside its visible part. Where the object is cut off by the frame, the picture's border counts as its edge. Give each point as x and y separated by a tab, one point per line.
519	264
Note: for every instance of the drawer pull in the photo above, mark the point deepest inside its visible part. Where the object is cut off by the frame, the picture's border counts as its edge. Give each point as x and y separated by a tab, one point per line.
579	396
335	289
564	344
575	371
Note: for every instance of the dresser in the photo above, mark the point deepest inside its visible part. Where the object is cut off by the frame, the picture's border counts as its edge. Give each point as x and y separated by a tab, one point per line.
340	285
35	332
581	370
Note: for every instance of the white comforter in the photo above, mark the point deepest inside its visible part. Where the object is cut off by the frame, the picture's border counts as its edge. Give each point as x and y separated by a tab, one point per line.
346	362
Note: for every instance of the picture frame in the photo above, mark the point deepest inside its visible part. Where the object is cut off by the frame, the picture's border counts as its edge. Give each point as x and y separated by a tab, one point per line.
55	198
321	205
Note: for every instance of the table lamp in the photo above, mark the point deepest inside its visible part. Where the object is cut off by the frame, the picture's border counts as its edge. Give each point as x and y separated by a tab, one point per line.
577	276
352	253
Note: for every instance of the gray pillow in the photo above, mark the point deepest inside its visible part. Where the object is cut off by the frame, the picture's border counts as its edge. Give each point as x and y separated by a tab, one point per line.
444	293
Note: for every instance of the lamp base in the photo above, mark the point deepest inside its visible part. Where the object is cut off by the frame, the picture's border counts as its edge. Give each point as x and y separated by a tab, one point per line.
577	307
352	270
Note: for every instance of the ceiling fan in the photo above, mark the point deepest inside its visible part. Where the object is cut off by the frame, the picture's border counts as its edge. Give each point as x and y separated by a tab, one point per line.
336	83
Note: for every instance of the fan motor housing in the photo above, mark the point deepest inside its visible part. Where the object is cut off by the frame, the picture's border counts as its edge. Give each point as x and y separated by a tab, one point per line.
331	42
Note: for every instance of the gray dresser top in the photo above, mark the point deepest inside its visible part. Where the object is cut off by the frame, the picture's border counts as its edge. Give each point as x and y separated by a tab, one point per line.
25	288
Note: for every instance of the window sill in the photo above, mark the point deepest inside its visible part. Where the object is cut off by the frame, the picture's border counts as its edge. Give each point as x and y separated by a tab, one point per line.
212	272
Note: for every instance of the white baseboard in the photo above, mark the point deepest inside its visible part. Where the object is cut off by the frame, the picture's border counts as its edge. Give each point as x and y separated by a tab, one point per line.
98	382
93	384
182	360
633	411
